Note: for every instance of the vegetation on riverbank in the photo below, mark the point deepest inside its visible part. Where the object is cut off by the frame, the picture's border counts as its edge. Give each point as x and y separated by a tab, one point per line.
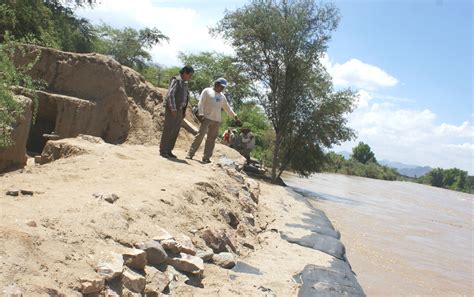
363	163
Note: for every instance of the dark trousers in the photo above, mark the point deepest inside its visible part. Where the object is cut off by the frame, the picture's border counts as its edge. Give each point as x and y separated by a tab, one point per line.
170	130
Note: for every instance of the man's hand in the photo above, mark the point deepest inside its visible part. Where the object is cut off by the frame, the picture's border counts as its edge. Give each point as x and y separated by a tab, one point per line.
174	113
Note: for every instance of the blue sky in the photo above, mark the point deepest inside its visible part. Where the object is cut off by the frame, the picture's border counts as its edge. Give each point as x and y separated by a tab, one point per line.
410	61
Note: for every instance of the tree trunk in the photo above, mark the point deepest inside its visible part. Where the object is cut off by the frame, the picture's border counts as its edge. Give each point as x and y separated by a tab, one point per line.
276	152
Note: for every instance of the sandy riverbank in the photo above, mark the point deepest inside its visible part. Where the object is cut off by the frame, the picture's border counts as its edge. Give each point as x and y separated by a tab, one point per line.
54	238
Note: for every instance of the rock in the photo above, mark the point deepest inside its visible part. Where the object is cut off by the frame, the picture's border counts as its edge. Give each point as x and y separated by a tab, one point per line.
233	173
54	293
133	280
38	160
170	245
110	267
185	244
218	240
109	292
248	205
110	198
162	235
14	155
206	255
92	285
187	263
127	293
254	189
156	281
224	260
230	218
12	291
215	239
31	224
26	192
249	219
155	253
59	149
135	258
13	193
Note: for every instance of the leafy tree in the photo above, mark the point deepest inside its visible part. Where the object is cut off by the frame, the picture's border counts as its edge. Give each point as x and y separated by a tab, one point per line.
363	154
279	44
211	65
128	46
48	23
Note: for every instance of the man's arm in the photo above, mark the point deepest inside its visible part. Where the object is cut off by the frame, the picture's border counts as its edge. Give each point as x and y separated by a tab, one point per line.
202	101
227	108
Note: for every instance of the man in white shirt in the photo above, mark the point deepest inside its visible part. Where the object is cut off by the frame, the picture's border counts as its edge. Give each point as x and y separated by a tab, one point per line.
210	105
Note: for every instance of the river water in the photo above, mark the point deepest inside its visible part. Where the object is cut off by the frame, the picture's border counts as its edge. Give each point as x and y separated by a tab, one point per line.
402	239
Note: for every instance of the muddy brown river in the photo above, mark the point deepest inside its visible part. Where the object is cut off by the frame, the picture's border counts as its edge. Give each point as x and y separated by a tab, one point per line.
402	239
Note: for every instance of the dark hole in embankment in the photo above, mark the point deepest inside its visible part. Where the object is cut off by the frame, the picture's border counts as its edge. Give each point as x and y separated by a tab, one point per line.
45	123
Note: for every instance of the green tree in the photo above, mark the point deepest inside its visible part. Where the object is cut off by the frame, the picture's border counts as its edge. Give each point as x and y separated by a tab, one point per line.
48	23
363	154
279	44
211	65
128	46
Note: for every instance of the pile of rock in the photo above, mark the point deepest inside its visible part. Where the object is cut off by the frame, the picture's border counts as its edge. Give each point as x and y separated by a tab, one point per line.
153	267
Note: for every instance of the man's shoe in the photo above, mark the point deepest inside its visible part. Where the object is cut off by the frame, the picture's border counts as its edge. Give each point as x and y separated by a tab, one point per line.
189	157
206	161
172	155
165	155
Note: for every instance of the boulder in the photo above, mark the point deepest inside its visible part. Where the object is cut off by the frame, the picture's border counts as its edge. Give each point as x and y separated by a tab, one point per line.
155	253
170	245
156	282
110	267
162	235
187	263
215	239
206	255
248	205
225	260
230	218
14	155
133	281
92	285
135	258
185	244
127	293
253	188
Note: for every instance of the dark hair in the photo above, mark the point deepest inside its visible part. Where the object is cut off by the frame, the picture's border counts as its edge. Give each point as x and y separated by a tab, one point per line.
187	69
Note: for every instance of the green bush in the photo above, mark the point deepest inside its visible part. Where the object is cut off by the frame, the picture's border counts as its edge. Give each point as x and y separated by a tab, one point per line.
10	76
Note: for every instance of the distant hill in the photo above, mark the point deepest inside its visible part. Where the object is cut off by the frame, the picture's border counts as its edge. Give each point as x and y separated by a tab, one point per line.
407	169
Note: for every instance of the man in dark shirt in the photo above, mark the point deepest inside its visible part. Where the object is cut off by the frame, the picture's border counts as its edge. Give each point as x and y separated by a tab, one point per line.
175	102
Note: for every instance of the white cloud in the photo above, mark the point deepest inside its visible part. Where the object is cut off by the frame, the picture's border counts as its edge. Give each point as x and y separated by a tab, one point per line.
413	137
396	133
355	73
187	28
